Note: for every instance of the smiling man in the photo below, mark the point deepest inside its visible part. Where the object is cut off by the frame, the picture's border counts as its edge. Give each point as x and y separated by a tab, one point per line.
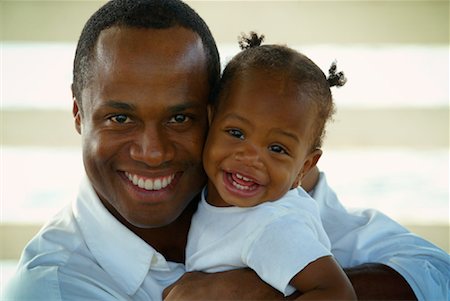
142	135
143	73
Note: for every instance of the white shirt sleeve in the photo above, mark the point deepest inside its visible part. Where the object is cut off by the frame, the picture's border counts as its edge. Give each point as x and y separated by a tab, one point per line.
368	236
44	283
283	248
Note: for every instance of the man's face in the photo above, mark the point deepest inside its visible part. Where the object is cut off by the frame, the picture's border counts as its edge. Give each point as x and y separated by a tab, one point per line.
143	122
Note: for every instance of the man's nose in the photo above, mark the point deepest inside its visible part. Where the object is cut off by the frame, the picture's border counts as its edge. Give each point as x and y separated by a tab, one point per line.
152	147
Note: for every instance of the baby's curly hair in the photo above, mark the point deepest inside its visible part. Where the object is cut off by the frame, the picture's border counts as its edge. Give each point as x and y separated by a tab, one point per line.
312	82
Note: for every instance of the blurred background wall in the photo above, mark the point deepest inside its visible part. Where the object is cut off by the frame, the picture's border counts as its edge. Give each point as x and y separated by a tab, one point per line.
387	147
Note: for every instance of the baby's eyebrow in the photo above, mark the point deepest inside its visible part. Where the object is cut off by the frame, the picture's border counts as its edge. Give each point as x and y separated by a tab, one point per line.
236	116
286	133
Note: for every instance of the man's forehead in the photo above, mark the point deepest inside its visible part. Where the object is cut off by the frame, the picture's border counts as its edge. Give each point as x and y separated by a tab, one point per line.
159	44
166	63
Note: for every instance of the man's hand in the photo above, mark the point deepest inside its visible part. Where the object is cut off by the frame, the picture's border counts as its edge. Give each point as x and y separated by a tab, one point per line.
370	281
242	284
373	281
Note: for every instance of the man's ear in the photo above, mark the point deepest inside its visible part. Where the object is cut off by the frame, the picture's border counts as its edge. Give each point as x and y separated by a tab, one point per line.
76	115
210	114
310	162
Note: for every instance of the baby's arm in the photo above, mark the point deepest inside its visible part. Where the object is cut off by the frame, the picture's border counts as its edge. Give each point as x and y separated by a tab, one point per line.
323	279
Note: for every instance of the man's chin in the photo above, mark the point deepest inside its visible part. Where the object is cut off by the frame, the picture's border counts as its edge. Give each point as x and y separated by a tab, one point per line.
152	224
144	222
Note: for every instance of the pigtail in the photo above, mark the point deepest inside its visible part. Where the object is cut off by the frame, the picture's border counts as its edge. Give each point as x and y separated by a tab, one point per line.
250	41
336	79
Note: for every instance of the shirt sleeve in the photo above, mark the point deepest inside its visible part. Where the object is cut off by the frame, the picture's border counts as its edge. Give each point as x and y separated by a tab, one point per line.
368	236
277	254
41	283
56	283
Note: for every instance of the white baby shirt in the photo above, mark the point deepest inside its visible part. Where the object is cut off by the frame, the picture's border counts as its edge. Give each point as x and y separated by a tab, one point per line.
275	239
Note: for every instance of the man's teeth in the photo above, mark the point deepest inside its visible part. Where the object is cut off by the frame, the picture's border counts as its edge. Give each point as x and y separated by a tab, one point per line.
239	176
150	184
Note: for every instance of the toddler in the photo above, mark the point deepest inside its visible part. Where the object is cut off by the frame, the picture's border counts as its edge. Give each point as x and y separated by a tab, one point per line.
267	122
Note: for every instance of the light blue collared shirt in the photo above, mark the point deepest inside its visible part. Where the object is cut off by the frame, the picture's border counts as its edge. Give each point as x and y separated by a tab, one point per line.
368	236
84	253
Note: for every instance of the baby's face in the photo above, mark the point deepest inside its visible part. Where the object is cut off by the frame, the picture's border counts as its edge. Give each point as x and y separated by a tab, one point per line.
259	140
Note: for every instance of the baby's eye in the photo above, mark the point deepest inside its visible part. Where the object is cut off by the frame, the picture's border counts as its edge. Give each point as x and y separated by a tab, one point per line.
120	118
277	149
179	118
236	133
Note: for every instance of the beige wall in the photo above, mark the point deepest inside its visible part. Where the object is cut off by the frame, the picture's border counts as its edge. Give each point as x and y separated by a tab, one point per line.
293	22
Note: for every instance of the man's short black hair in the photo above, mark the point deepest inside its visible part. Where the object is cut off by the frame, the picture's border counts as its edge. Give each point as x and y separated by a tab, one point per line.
156	14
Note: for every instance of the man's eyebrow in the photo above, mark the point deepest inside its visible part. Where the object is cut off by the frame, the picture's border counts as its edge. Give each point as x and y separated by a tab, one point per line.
177	108
119	105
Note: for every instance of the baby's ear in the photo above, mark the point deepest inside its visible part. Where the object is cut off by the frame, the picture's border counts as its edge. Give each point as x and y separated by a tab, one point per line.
310	161
210	113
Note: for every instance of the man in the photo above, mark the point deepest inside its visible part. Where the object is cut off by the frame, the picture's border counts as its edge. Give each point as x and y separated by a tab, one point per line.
143	72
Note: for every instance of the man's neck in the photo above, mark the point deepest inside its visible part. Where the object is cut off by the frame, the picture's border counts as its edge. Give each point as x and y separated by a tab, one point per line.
169	240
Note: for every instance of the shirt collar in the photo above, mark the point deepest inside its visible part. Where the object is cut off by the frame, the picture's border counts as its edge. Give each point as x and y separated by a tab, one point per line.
121	253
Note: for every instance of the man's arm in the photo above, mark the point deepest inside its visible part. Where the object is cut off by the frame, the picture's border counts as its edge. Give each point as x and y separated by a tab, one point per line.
382	258
373	281
242	284
370	282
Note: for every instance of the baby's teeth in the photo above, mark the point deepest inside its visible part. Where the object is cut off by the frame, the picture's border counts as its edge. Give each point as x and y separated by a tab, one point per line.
239	176
240	186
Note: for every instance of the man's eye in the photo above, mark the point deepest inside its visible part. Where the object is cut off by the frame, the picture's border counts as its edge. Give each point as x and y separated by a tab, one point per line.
277	149
179	118
120	118
236	133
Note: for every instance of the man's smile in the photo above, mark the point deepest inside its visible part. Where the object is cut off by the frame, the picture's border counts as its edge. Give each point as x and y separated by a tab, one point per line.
156	183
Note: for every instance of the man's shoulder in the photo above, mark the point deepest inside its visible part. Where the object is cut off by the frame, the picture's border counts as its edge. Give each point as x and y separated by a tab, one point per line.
58	248
64	277
55	241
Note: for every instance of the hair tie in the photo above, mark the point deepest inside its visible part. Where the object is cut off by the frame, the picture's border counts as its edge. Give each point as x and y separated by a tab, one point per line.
250	41
336	79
